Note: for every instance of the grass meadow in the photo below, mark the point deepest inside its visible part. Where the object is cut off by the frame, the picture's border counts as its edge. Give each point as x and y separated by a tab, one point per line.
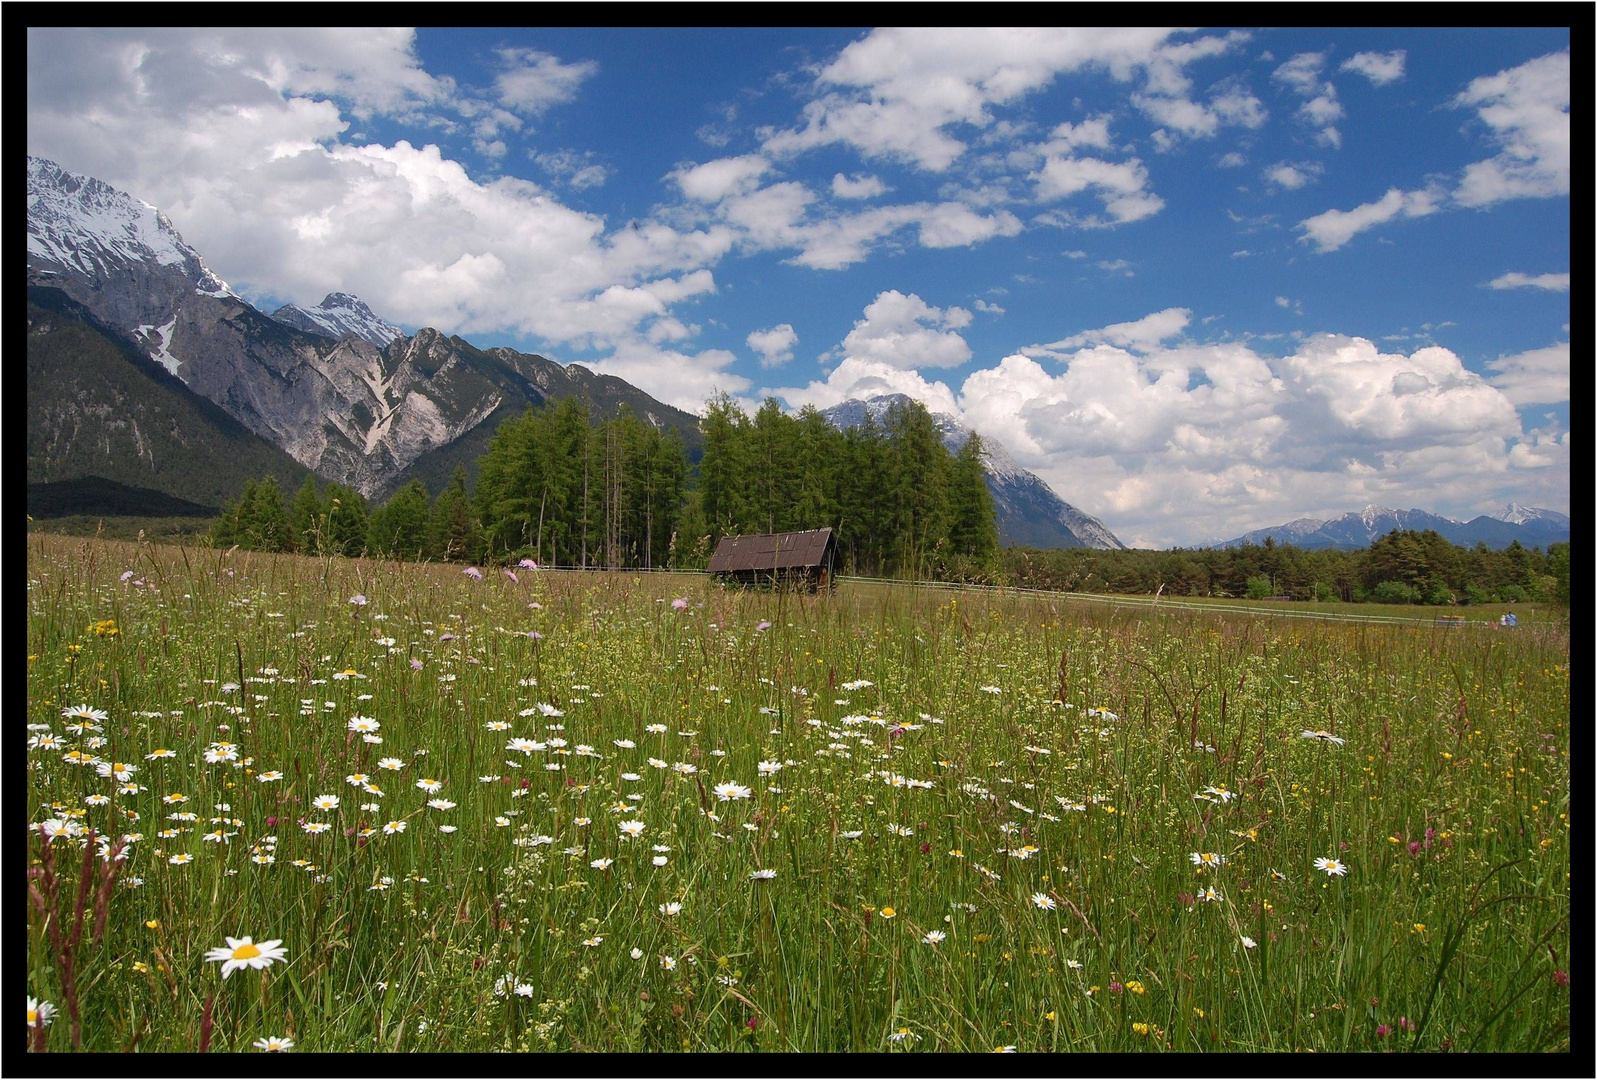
569	811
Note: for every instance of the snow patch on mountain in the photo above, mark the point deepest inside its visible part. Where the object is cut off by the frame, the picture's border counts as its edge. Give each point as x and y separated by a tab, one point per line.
156	339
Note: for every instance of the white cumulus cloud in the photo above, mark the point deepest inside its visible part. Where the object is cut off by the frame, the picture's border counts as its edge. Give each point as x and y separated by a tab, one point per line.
1322	109
1177	444
857	378
1332	229
903	331
1144	334
775	345
1527	110
1534	377
532	81
716	180
1121	185
902	93
1515	280
1379	68
857	187
1293	175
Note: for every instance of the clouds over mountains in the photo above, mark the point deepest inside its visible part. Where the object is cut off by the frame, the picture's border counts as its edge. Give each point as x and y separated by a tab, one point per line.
1152	428
434	179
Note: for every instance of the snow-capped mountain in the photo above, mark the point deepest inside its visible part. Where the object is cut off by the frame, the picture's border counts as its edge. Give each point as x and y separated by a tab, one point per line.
1516	514
122	249
1029	512
1360	529
341	392
338	316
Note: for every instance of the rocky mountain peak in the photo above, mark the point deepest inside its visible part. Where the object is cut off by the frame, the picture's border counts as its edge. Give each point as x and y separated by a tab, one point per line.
338	316
85	236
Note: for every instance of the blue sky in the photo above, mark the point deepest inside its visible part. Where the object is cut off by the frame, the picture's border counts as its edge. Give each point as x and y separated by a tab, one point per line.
1200	281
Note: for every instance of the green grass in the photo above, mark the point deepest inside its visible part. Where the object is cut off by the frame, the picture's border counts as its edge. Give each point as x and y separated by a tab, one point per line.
1455	743
116	527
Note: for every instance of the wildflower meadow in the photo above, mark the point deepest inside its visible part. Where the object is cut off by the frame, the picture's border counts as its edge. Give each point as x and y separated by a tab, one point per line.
284	803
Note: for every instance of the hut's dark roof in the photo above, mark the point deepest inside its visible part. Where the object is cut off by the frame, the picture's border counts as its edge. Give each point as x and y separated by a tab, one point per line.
771	551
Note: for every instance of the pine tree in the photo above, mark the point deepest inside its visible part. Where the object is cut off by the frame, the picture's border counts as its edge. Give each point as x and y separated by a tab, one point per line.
973	521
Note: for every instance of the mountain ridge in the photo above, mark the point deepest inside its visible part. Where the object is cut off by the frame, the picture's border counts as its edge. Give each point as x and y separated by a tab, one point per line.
1532	527
343	392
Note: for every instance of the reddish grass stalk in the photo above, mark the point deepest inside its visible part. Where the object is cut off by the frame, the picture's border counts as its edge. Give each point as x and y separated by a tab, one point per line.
206	1023
44	890
102	899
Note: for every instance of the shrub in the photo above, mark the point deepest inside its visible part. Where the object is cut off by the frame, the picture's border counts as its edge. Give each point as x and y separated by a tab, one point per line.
1394	592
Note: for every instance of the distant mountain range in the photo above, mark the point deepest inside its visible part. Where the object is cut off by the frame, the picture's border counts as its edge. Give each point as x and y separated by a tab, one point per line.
335	387
1531	527
1029	513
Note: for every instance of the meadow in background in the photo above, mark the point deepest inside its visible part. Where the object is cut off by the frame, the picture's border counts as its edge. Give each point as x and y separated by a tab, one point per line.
283	802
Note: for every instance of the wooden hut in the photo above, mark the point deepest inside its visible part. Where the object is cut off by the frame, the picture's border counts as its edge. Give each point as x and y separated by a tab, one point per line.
795	558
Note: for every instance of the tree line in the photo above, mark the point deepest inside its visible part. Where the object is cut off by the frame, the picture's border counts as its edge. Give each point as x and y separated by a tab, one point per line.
898	502
336	520
561	489
558	487
1405	566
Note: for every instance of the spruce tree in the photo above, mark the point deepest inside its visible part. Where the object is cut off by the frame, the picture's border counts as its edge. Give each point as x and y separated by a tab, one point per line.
233	525
307	519
918	487
347	521
268	525
453	534
399	529
721	470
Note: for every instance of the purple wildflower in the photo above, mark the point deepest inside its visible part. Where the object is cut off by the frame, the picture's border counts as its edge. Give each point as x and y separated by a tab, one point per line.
473	573
680	603
511	574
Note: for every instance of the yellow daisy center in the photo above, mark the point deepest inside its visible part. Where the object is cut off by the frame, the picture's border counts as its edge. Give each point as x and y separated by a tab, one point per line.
33	1016
246	951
